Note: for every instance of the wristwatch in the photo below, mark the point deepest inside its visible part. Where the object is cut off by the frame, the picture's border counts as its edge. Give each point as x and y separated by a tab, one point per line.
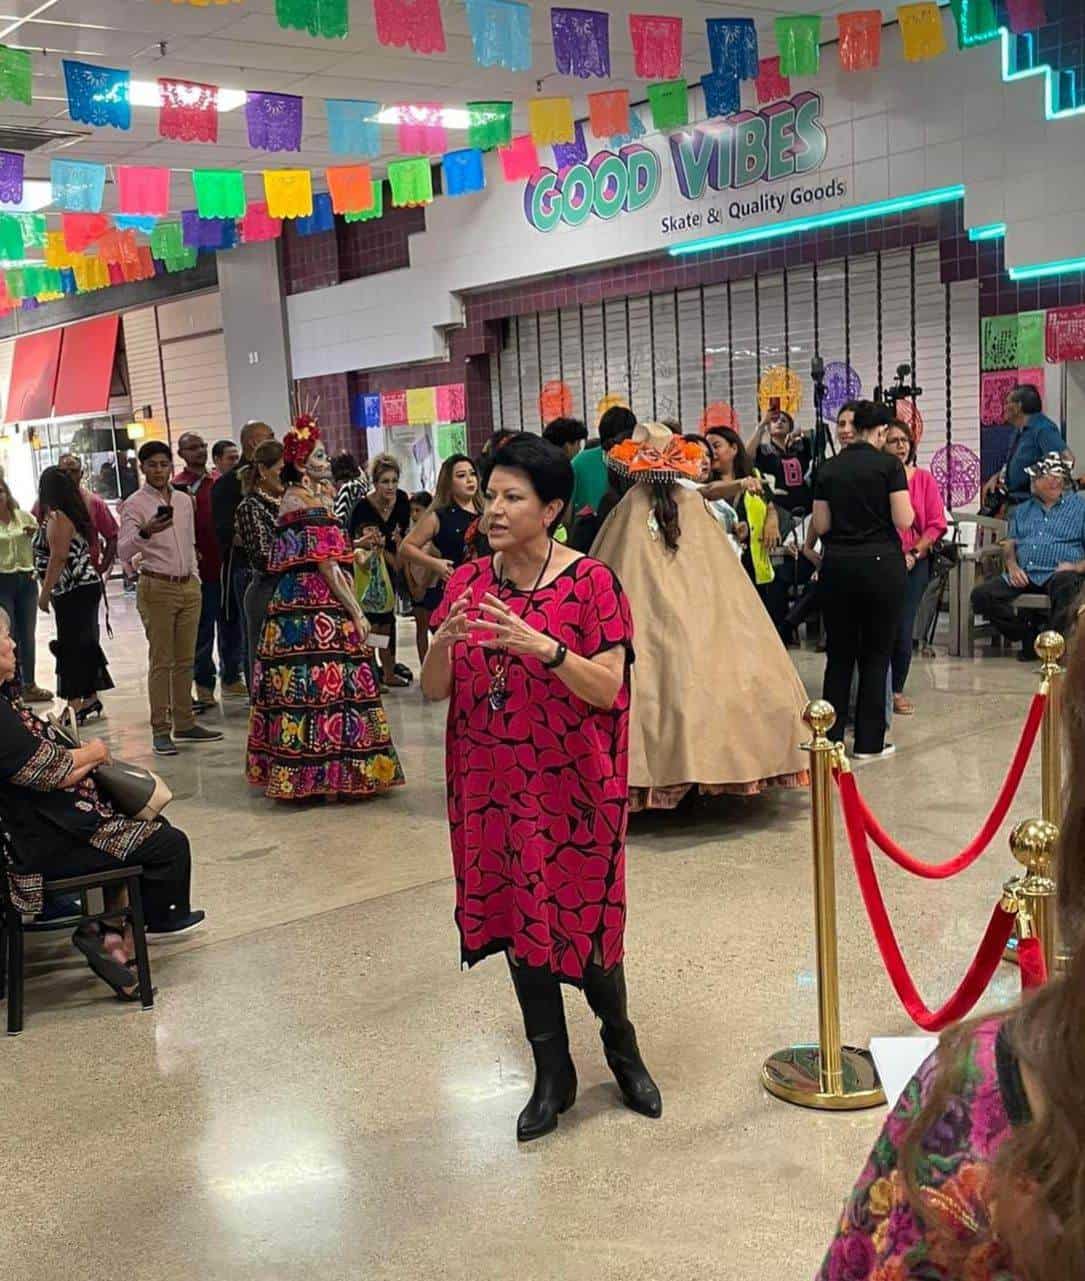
558	658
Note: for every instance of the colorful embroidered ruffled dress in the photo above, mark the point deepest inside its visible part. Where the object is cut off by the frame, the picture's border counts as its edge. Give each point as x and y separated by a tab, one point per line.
317	725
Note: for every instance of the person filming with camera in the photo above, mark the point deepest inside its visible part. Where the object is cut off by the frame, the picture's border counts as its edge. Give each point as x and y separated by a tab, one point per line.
783	453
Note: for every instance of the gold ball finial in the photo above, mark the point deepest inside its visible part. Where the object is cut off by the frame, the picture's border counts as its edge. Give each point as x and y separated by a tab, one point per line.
1033	842
819	715
1050	646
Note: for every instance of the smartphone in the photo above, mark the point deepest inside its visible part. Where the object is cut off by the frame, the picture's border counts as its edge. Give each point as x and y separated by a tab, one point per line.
774	404
165	512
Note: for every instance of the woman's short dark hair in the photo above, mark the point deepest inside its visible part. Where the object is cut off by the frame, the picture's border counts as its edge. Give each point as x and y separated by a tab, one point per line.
150	448
848	407
615	426
57	492
870	415
1028	398
565	431
345	467
421	498
549	472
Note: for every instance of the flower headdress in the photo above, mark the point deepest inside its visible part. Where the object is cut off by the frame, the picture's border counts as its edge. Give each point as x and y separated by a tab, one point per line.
300	441
654	455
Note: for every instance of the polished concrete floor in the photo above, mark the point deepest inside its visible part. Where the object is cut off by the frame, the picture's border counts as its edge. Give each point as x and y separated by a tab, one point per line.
319	1092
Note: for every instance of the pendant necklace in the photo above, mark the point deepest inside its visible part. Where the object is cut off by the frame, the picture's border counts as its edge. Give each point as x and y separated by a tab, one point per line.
498	666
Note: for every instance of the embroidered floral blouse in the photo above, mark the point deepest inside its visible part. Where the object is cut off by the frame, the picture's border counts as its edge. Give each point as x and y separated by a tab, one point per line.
879	1237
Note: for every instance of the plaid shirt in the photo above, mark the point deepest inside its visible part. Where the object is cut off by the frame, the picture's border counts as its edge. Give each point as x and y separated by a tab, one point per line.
1045	537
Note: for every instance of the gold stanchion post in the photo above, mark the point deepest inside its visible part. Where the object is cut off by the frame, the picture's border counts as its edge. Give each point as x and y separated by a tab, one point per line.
828	1075
1033	844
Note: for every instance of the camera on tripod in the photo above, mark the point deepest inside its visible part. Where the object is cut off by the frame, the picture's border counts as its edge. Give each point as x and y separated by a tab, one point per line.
900	390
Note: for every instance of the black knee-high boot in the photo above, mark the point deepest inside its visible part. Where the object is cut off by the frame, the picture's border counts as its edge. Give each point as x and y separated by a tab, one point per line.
539	994
606	995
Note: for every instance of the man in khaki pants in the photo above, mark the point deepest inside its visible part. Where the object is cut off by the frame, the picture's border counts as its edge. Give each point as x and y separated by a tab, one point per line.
158	525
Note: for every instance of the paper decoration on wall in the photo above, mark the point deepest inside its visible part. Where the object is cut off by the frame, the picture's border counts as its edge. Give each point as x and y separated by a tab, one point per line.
1034	377
186	259
421	406
120	247
274	121
15	75
91	274
908	412
451	404
957	471
462	172
771	85
353	129
56	252
921	31
411	182
33	227
779	382
550	120
11	239
612	400
489	125
994	388
321	219
189	111
351	187
860	39
842	384
328	18
657	46
411	24
719	414
581	42
722	95
1024	15
11	177
98	95
732	47
142	190
636	130
1065	333
167	241
500	33
207	233
421	130
608	112
82	230
1030	338
999	343
394	408
78	185
366	410
799	39
669	101
555	401
567	154
288	193
451	439
258	224
519	159
220	193
375	210
976	21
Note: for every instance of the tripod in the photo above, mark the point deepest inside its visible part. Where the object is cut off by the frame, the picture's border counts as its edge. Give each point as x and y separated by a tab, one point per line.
823	441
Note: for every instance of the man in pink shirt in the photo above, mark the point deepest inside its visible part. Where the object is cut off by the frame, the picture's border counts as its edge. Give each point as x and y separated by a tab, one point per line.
158	532
103	548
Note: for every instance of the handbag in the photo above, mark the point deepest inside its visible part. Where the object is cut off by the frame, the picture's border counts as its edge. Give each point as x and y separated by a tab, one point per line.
132	790
373	584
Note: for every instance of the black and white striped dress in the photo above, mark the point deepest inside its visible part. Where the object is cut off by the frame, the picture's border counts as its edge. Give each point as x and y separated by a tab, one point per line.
80	663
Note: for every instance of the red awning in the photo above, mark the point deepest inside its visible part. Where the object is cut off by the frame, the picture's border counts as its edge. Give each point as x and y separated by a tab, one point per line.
33	376
86	367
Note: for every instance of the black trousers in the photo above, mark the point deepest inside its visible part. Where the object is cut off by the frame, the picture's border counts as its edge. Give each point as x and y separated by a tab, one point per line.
167	872
81	666
994	600
861	597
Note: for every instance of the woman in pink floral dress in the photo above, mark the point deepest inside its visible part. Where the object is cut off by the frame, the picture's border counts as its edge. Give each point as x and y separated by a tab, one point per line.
533	646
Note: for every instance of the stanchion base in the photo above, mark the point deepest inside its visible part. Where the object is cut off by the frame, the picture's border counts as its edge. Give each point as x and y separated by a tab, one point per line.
794	1075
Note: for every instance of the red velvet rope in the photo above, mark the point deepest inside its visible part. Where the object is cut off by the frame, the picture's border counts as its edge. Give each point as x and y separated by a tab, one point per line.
940	871
983	965
1030	956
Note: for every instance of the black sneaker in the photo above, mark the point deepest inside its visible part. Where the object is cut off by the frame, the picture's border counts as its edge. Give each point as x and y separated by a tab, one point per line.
182	925
164	745
198	734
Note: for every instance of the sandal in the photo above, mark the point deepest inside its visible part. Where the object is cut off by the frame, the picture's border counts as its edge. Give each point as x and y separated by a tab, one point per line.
110	971
395	681
902	706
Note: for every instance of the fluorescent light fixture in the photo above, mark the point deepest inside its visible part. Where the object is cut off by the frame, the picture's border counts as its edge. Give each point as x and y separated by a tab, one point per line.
451	117
776	231
145	93
990	231
1038	269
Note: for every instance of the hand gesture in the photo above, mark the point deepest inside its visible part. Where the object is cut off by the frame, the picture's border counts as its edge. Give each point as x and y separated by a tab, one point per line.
770	537
446	569
371	538
1018	577
43	602
100	749
455	627
361	625
506	630
751	484
157	524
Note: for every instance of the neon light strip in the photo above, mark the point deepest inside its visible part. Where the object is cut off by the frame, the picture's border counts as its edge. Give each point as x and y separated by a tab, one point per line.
1037	269
991	231
879	209
1042	69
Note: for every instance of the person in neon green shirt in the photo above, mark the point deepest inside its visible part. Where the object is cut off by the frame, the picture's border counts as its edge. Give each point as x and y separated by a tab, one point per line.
19	590
590	480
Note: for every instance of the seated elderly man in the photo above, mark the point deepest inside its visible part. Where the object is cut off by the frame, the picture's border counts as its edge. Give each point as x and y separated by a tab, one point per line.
1043	552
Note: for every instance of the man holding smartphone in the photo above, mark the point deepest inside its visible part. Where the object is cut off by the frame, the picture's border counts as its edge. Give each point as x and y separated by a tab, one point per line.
158	531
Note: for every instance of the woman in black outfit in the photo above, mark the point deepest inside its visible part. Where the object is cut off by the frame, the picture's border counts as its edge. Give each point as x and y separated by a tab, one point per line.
457	503
72	587
381	520
860	502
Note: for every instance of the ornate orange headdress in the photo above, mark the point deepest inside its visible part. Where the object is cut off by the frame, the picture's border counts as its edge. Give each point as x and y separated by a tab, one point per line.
300	441
653	454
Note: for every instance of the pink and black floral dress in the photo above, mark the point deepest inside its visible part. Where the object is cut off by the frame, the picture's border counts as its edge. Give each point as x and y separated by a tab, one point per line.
880	1237
537	788
317	725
